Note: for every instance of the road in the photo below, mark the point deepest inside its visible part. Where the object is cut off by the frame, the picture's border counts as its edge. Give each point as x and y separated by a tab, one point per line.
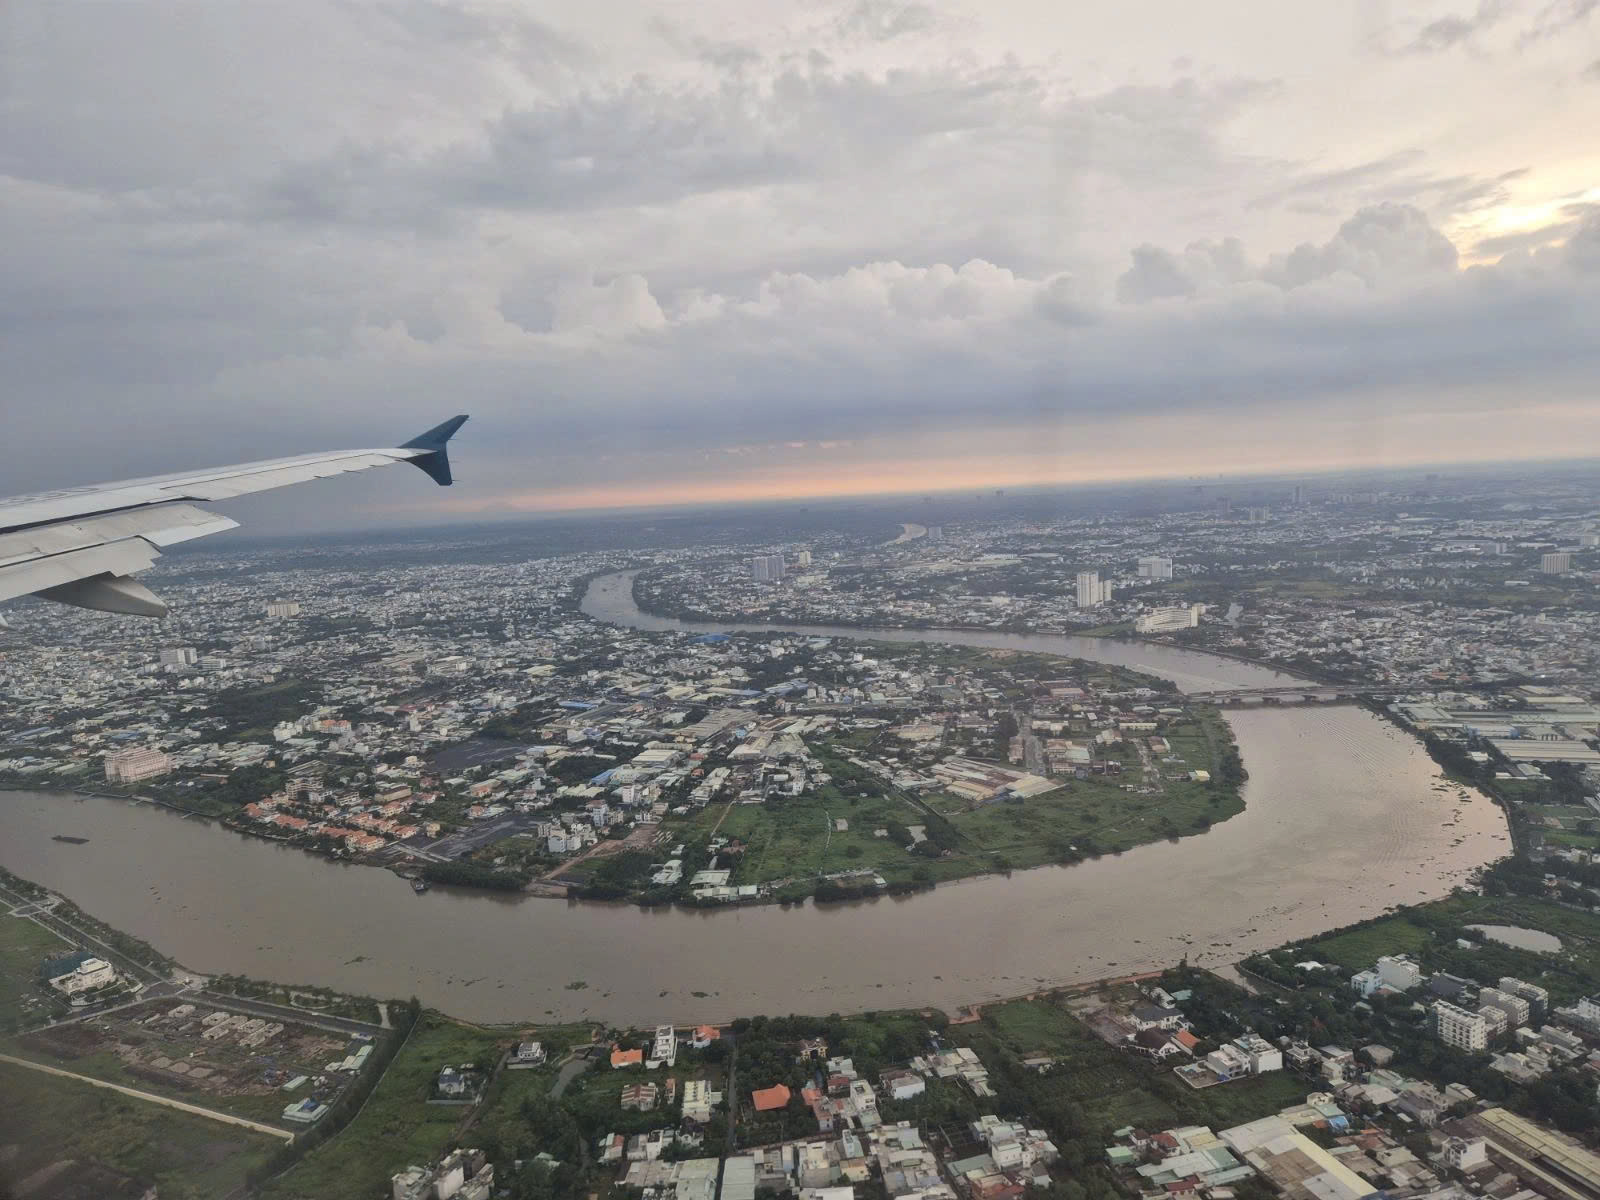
732	1096
280	1012
209	1113
1032	751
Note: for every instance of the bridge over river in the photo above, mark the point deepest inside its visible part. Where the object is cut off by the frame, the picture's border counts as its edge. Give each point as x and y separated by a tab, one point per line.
1304	693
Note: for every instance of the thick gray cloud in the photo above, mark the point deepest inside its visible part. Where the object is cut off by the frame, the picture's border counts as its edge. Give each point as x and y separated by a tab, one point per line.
638	250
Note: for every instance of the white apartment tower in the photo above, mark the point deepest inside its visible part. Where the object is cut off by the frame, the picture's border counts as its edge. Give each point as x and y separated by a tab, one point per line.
765	568
178	656
1558	563
1088	589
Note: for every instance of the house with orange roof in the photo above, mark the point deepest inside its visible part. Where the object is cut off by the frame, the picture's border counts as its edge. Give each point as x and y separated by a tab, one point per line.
626	1058
770	1099
703	1036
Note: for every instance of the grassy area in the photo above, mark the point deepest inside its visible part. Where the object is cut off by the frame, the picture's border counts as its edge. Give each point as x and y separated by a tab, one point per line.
1113	1086
397	1126
23	946
1358	949
49	1119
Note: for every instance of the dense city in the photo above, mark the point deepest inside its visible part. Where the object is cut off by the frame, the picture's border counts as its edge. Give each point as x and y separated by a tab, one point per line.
618	725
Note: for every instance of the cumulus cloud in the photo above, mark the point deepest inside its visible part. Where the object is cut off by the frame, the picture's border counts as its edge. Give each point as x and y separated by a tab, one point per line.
1384	243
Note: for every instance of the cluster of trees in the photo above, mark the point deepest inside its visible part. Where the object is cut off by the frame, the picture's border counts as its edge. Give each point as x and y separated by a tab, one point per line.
618	876
468	874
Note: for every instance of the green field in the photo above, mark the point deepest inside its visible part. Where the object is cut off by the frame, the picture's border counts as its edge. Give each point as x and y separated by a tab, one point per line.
23	946
49	1119
397	1126
1358	949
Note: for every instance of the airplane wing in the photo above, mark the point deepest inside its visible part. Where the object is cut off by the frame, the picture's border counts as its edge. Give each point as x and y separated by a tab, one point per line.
81	545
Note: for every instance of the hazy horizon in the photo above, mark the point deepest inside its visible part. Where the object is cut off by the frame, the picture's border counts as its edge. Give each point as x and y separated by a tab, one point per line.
808	249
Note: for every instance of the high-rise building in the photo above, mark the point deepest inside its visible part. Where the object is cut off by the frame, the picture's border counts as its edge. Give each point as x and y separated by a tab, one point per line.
1105	591
136	763
178	656
1154	566
1558	563
1459	1027
1088	589
1299	493
765	568
1589	540
935	533
283	608
1258	515
803	559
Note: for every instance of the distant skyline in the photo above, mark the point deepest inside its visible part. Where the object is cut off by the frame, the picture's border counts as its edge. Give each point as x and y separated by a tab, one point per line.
670	254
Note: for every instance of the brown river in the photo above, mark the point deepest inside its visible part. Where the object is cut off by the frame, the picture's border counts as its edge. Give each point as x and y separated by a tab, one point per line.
1345	816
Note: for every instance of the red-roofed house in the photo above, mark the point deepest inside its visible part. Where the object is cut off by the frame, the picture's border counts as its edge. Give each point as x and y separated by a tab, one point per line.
769	1099
626	1058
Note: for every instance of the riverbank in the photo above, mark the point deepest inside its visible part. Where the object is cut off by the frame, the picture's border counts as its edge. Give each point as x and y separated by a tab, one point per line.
652	607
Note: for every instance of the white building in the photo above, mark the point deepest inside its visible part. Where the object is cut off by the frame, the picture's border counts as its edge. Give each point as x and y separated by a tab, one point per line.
1515	1007
283	608
1167	620
1538	999
699	1100
1263	1055
136	763
85	975
1466	1154
1399	971
1088	589
179	656
1558	563
903	1085
664	1050
1155	566
1460	1027
803	558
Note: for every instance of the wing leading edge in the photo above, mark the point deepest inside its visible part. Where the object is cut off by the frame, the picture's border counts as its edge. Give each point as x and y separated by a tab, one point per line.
80	545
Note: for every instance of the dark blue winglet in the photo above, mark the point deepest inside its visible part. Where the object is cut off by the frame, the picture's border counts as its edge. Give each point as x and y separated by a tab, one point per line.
436	462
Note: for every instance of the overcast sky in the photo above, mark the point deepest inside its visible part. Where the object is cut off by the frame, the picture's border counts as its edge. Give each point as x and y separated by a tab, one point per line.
712	250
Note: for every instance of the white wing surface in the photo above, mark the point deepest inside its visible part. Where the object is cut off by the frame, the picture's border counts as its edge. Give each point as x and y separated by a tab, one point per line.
81	545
